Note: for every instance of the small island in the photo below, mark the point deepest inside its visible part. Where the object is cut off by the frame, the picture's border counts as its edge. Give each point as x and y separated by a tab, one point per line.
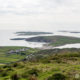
63	31
76	32
18	39
23	33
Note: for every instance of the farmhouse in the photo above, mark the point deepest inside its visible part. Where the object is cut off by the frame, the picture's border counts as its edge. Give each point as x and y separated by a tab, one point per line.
18	51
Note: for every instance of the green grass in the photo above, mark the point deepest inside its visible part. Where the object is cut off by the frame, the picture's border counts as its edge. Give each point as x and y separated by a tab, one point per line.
64	61
7	58
46	70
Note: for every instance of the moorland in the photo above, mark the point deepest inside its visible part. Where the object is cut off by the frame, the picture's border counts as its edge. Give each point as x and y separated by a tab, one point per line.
52	64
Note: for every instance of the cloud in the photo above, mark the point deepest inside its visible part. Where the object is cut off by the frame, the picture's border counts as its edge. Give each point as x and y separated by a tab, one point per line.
40	13
25	7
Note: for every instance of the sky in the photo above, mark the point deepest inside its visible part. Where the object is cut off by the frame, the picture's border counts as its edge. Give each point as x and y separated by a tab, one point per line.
42	15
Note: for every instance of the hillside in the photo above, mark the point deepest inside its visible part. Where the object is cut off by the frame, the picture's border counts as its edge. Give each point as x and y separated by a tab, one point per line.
56	64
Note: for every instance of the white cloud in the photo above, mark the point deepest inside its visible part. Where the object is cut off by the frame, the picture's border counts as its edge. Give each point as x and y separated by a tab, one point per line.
24	14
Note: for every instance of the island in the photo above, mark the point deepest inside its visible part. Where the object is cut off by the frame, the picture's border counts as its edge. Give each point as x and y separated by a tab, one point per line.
63	31
31	33
55	40
18	39
77	32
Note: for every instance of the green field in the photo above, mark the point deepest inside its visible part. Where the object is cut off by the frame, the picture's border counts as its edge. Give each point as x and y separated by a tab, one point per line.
7	58
56	64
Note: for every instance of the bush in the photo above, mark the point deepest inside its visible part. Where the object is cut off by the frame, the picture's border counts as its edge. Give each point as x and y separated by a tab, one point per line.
18	65
57	76
30	74
1	70
6	66
3	74
33	78
25	75
15	77
15	65
33	72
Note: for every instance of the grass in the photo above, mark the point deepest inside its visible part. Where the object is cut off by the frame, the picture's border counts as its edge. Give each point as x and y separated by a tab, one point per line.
7	58
64	62
47	70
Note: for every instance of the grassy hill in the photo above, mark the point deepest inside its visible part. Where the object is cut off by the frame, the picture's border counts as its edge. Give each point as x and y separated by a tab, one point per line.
55	40
56	64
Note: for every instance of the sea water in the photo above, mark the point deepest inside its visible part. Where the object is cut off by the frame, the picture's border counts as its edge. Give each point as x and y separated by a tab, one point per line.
7	35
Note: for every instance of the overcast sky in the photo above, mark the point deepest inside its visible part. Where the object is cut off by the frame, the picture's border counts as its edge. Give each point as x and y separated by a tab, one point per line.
40	14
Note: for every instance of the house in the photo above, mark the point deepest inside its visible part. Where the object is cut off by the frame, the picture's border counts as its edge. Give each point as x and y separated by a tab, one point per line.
17	51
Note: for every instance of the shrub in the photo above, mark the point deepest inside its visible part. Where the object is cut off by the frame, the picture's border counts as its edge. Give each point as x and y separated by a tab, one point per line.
57	76
3	74
18	65
15	77
25	75
15	65
6	66
33	72
1	70
33	77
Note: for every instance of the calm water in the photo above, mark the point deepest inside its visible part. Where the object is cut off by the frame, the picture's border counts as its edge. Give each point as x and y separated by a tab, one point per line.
6	35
